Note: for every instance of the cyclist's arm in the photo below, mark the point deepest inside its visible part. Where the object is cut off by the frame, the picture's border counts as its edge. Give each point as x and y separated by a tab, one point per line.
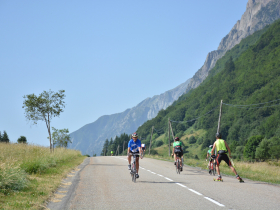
213	149
128	150
229	153
173	151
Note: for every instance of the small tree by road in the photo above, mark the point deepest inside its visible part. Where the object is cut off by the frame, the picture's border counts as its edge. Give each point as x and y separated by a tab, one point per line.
44	107
61	138
5	137
22	139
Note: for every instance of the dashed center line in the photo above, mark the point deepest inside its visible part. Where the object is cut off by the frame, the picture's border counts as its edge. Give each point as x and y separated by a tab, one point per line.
219	204
195	192
210	199
168	179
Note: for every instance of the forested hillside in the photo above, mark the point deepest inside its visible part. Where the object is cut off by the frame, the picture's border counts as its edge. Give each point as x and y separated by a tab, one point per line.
246	75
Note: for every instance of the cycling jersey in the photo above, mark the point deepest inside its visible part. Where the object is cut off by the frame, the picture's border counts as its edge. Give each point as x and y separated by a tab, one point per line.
221	146
134	145
177	145
210	151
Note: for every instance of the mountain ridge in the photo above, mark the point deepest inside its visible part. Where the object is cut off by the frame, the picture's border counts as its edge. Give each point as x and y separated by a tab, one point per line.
90	137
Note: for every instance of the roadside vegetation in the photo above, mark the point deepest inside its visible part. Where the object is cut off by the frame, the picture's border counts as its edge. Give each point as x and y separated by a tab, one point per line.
29	174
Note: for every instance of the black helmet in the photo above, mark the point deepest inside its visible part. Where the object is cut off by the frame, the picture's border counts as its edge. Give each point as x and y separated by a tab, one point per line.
219	135
177	139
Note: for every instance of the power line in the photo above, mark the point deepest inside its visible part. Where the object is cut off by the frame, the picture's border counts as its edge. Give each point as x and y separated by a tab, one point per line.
248	106
194	118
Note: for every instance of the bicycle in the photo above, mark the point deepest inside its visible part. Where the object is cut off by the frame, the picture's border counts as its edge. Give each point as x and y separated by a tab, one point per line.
177	166
212	166
133	166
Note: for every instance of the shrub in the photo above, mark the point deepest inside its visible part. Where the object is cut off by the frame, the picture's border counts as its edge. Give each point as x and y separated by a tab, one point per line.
192	140
159	143
153	152
12	178
199	140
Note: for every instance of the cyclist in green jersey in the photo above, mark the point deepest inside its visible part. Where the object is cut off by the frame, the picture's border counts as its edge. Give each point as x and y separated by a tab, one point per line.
112	153
222	150
177	151
209	152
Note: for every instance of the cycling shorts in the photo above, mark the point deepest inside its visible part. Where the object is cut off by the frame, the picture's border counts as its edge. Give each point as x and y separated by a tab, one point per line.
179	154
134	153
223	157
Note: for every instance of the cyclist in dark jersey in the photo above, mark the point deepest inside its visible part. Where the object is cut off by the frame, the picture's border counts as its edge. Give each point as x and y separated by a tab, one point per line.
222	150
177	151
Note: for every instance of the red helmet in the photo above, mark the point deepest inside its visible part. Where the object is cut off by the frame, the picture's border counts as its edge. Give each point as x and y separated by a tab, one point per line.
177	139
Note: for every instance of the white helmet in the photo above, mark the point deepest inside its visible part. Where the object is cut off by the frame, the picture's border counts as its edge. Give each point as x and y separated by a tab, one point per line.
211	146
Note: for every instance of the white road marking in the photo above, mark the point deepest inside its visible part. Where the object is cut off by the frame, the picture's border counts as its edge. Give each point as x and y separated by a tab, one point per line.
210	199
195	192
219	204
180	185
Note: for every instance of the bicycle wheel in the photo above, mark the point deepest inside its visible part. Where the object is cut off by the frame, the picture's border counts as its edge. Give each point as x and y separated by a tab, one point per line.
177	166
214	169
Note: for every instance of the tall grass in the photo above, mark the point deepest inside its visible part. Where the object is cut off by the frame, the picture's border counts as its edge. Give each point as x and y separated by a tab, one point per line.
20	160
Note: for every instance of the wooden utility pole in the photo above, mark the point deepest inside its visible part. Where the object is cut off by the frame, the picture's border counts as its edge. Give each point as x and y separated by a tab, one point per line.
151	139
219	122
172	131
220	115
169	135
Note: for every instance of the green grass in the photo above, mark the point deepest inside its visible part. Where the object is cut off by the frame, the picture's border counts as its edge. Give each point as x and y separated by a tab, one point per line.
31	174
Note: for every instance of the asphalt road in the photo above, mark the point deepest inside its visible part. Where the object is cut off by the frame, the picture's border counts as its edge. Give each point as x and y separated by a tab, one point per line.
105	183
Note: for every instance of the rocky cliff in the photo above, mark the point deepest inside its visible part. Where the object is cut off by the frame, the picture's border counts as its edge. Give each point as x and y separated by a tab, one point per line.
90	138
258	14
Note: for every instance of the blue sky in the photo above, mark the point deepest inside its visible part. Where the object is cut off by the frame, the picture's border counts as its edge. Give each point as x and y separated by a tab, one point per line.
107	55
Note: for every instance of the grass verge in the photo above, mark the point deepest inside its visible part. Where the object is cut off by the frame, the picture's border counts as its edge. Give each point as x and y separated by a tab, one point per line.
30	174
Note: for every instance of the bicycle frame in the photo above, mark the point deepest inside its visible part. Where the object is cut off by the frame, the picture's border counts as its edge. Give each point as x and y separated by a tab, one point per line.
178	166
133	166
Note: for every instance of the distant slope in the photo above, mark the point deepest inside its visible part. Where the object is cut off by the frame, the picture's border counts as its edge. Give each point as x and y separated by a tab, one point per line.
258	14
91	137
253	78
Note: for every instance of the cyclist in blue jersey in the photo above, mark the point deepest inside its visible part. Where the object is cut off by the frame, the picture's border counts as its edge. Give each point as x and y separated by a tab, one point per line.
134	146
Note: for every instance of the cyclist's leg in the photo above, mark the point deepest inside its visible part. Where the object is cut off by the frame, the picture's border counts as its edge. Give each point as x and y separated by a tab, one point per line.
129	159
226	159
137	164
218	161
175	157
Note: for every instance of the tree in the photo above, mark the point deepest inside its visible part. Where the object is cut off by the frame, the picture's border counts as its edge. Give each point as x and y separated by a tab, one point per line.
262	150
251	146
22	139
5	137
274	145
61	138
44	107
105	148
0	137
